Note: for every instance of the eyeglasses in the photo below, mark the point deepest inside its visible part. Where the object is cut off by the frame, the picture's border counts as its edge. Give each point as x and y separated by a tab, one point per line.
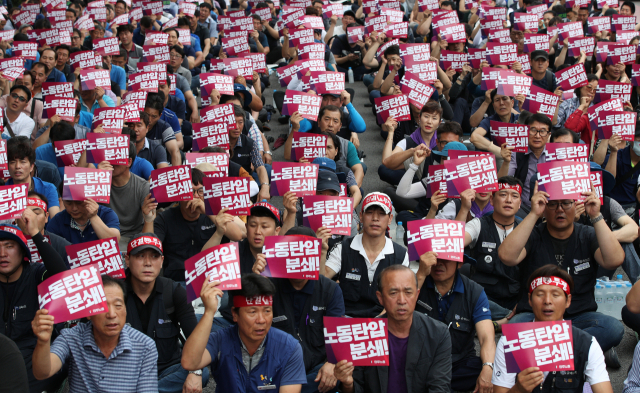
16	96
198	192
75	37
175	56
566	205
542	132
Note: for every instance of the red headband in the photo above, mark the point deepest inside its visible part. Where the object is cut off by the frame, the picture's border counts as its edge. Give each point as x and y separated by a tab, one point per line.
37	202
142	241
507	186
553	280
257	301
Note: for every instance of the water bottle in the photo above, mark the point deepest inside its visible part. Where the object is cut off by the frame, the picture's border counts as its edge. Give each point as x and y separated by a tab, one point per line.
203	69
400	234
599	299
608	300
619	300
350	74
273	99
619	278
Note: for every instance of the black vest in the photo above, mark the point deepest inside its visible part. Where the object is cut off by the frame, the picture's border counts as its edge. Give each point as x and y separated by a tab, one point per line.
499	281
360	300
522	166
242	154
309	329
570	381
234	169
163	326
577	260
459	318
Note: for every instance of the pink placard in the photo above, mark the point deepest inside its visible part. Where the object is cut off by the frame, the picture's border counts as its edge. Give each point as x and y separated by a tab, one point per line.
187	8
396	106
152	7
361	341
566	152
111	119
107	46
104	252
73	294
11	62
417	91
61	89
307	105
259	61
596	180
24	17
415	52
295	257
453	60
227	193
603	48
475	57
210	133
445	237
171	184
69	152
546	345
216	159
219	113
214	81
492	76
436	180
93	78
84	183
233	46
3	156
525	21
307	145
598	23
635	75
616	122
457	154
13	200
572	77
577	44
221	163
219	263
564	179
569	29
299	37
64	107
607	90
83	60
623	22
263	13
146	81
622	54
152	38
515	84
355	34
112	148
327	82
28	50
334	213
514	135
299	178
156	53
427	71
239	66
501	36
609	105
478	173
84	23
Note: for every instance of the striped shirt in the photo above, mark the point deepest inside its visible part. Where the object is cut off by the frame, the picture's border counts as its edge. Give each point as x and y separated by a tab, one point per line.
131	367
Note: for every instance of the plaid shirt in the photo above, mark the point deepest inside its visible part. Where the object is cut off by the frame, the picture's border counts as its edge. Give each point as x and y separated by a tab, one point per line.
566	109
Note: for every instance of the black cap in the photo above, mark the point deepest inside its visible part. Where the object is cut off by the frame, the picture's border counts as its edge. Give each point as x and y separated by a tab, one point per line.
536	54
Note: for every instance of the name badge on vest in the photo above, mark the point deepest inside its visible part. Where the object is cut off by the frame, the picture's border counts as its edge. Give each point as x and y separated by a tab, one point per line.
352	276
279	319
267	387
488	245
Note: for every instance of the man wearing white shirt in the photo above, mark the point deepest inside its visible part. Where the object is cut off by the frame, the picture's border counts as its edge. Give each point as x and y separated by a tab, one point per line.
15	122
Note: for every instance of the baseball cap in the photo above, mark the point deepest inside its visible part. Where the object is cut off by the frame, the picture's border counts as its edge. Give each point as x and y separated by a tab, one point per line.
144	241
326	164
264	206
238	88
536	54
377	199
332	95
450	146
12	232
328	181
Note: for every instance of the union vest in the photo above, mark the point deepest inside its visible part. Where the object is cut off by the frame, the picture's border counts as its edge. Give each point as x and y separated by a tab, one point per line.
360	300
522	166
242	154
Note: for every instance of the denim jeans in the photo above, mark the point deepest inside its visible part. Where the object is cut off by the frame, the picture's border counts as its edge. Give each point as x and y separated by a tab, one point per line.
368	79
257	178
312	386
391	176
607	330
172	379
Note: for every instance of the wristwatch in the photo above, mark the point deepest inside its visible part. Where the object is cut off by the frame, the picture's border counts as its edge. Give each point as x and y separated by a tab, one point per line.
199	372
488	364
269	153
599	217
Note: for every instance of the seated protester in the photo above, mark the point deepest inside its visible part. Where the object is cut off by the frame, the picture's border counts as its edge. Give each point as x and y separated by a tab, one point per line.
245	152
577	106
19	292
189	53
542	76
38	203
95	98
446	293
273	38
350	260
253	103
177	58
257	39
134	50
122	61
199	39
126	357
62	62
578	247
161	131
21	159
235	170
348	55
155	101
185	228
141	167
318	299
234	353
330	120
336	31
329	162
505	112
48	57
40	71
172	103
470	205
117	73
621	163
60	131
205	20
151	150
419	346
482	107
550	296
150	24
14	372
34	107
84	221
16	122
524	165
158	307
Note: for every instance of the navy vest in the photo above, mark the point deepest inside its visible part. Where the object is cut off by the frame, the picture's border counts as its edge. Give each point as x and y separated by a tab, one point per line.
242	154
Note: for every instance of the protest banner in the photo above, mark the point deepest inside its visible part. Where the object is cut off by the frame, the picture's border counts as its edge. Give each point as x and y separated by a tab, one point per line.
83	60
171	184
152	38
607	90
616	122
536	42
68	152
598	23
219	263
220	161
569	29
512	84
396	106
478	173
239	66
427	71
12	62
635	75
327	82
156	53
334	213
216	159
258	61
578	44
492	76
26	50
445	237
415	52
234	46
624	37
112	148
361	341
614	104
514	135
105	253
622	22
625	54
417	91
295	257
301	37
152	7
453	60
450	33
227	193
475	57
578	152
3	155
213	81
219	113
355	34
58	105
436	180
146	81
525	21
501	54
307	105
136	98
308	146
91	79
547	345
111	119
62	89
603	49
107	46
299	178
457	154
210	133
488	24
596	180
188	9
564	179
572	77
501	36
13	201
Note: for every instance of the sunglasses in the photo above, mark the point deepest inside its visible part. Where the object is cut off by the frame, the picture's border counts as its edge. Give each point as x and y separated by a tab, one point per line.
16	96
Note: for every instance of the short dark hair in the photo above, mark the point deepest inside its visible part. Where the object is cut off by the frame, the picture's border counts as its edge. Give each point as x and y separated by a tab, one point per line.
394	268
19	147
392	50
177	49
259	19
75	14
206	5
62	131
254	285
212	149
144	117
146	22
42	24
301	231
493	95
540	118
172	29
197	176
41	64
447	3
238	111
183	21
230	97
23	88
449	127
63	47
154	101
329	108
39	196
431	107
336	143
510	180
549	271
107	280
524	116
123	28
562	132
21	37
630	5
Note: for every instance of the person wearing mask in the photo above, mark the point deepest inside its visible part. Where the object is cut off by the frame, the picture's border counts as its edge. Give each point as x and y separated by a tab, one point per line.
16	122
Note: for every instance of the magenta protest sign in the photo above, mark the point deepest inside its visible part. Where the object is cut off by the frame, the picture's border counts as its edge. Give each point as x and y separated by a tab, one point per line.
355	34
635	75
334	213
361	341
501	54
614	104
308	146
103	252
210	133
577	44
233	46
569	29
259	61
502	36
171	184
106	46
598	23
564	179
219	263
622	22
512	84
299	178
596	180
327	82
427	71
227	193
616	122
457	154
525	21
311	51
147	81
535	42
453	60
27	50
239	66
475	57
73	294
445	237
566	152
93	78
212	81
296	257
572	77
113	149
492	77
64	107
68	152
625	54
219	160
450	33
607	90
396	106
307	105
546	345
417	91
156	53
219	113
3	155
436	180
111	119
603	48
85	183
13	200
478	173
514	135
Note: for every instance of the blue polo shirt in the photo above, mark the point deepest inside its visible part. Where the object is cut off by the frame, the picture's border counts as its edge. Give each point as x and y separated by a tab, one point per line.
177	106
86	119
56	76
119	76
142	168
106	99
45	188
47	153
171	118
444	303
624	193
61	226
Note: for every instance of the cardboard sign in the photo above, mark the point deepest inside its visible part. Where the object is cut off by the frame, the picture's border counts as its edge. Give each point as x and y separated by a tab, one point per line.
569	29
84	23
210	133
501	54
59	105
187	8
61	89
445	237
515	84
307	145
296	257
219	113
424	5
355	34
616	122
97	14
107	46
136	14
233	46
73	294
501	36
84	60
362	341
415	52
84	183
307	105
13	200
609	105
418	92
152	7
93	78
156	53
453	60
450	33
478	173
444	19
396	106
602	50
596	180
308	65
146	81
137	98
171	184
375	23
546	345
311	51
221	163
607	90
107	147
13	73
104	253
124	19
258	60
525	21
578	152
212	81
227	192
24	18
572	77
219	263
625	36
263	13
622	22
11	62
111	119
239	67
3	156
564	179
328	10
488	24
427	71
69	152
598	23
577	44
300	37
327	82
625	54
299	178
436	180
216	159
27	50
334	213
524	63
514	135
152	38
